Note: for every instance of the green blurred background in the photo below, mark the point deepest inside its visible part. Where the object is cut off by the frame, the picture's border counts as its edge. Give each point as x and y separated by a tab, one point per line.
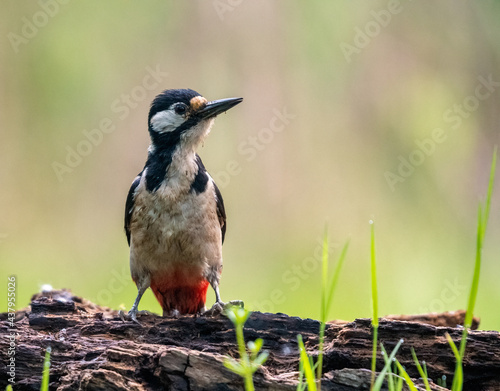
361	86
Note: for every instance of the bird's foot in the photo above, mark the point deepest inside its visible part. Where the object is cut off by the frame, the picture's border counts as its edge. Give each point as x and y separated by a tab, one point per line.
132	315
220	307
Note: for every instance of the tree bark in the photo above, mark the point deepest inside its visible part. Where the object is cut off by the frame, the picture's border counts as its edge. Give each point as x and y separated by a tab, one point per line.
93	349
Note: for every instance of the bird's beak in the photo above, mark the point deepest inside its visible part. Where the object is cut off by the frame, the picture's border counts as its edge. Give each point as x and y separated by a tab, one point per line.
216	107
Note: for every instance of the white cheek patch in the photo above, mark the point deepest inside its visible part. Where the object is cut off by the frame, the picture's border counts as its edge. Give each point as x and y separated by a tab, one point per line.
166	121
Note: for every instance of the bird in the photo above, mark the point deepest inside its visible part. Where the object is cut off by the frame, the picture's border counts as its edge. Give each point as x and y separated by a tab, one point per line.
175	220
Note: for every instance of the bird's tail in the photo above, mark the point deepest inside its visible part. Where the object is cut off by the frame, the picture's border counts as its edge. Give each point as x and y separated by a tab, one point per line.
187	299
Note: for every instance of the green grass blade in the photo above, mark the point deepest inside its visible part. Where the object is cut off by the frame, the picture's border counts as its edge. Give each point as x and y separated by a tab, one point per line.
327	298
46	370
374	354
399	385
335	278
469	314
301	386
407	378
324	308
490	188
390	375
453	346
374	277
482	222
308	371
477	269
423	373
458	375
324	280
374	302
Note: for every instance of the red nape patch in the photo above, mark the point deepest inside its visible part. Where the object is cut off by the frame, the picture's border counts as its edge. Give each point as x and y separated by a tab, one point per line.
173	294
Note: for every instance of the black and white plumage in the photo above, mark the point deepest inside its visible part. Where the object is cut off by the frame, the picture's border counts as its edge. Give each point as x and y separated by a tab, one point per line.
175	219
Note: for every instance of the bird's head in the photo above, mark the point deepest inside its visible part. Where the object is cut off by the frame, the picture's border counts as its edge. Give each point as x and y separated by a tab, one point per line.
183	118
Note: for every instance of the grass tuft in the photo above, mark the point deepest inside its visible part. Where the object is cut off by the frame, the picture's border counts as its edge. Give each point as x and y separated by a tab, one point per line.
247	363
327	292
421	371
482	222
387	369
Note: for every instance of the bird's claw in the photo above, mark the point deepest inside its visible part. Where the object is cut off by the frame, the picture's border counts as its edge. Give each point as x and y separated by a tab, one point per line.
132	315
216	309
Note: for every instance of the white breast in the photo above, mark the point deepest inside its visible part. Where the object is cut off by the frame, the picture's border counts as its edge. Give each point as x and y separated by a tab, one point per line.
174	227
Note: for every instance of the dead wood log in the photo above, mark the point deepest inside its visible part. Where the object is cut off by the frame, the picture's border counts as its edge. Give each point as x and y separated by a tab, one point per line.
93	349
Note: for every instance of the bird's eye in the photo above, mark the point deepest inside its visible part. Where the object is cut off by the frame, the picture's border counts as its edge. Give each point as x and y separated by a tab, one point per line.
180	109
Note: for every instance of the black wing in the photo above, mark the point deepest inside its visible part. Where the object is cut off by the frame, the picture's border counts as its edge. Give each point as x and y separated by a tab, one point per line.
199	185
129	205
221	212
200	181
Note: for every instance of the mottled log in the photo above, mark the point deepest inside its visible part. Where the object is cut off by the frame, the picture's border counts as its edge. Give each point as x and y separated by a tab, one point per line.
93	349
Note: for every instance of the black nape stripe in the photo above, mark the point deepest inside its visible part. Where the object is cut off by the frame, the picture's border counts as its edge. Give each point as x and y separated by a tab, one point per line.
156	166
201	179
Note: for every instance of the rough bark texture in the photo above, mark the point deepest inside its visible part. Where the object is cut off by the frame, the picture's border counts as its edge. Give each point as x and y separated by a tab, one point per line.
93	349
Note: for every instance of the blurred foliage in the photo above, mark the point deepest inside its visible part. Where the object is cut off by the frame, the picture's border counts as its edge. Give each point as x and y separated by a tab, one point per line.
354	118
